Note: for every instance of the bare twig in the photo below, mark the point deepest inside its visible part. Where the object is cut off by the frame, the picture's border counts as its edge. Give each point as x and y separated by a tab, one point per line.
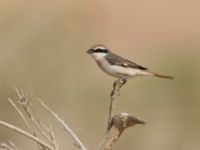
118	124
40	132
113	96
43	131
52	136
24	101
79	144
4	146
14	128
9	146
20	113
12	144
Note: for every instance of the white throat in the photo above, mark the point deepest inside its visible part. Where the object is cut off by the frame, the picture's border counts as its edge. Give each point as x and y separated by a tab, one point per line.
98	56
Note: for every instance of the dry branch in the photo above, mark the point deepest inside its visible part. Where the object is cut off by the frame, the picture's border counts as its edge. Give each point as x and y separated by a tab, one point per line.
113	96
28	135
38	130
29	116
45	137
20	113
79	144
118	124
9	146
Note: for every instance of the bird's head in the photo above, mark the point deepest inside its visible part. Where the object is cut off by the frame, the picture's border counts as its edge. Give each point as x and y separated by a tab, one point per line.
98	51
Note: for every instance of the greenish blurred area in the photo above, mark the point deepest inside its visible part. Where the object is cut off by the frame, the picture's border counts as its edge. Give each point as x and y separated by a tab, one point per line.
42	49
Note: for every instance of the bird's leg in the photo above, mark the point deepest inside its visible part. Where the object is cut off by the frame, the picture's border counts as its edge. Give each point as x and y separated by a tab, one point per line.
116	87
121	82
115	84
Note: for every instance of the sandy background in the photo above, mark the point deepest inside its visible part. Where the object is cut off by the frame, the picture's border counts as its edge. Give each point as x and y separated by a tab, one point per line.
43	45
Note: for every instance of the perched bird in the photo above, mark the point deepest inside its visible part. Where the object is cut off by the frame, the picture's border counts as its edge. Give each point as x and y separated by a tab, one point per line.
118	66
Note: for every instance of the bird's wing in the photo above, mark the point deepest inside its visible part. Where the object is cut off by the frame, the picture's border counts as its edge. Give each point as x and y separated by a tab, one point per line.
120	61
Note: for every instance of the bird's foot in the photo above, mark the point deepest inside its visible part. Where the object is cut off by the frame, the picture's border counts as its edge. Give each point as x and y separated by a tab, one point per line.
122	82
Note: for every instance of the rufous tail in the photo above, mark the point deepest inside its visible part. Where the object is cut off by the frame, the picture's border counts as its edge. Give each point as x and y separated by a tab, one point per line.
162	76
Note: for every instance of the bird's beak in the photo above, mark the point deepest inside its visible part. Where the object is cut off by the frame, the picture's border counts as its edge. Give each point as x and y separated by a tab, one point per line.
89	51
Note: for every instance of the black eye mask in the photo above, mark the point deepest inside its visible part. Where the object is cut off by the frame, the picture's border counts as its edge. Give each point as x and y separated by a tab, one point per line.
100	50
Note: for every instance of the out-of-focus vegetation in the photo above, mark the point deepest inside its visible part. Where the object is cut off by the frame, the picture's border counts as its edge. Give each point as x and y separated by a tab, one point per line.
43	45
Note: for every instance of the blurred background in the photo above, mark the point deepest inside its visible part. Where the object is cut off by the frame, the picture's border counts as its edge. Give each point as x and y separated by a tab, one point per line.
43	47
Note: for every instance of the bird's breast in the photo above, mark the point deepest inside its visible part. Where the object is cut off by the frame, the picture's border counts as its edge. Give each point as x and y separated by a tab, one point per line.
116	71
